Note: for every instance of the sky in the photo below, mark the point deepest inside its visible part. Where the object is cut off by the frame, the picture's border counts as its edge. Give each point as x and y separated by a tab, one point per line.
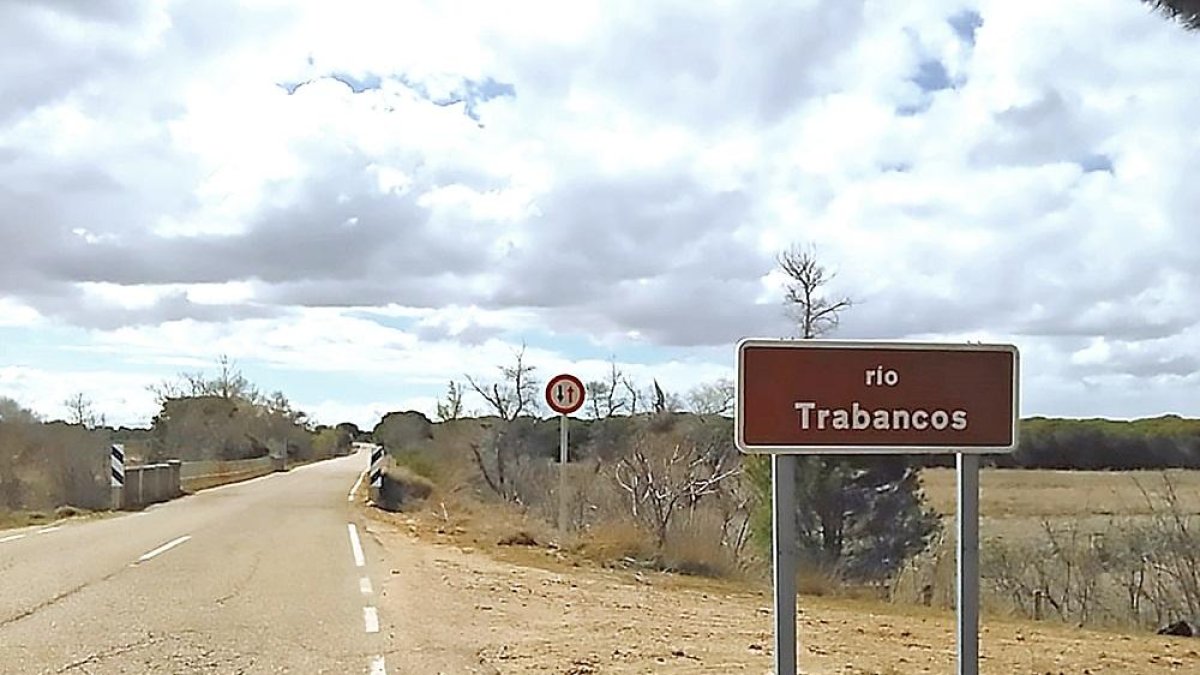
358	202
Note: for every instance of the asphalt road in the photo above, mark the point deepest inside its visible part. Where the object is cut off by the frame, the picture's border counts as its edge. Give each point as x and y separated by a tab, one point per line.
255	577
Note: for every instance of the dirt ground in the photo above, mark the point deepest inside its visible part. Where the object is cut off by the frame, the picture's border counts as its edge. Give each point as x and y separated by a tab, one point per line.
459	603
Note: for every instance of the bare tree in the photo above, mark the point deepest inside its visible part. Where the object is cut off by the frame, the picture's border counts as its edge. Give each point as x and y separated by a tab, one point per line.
815	313
664	475
513	395
229	383
633	396
451	407
1186	12
712	398
607	398
81	411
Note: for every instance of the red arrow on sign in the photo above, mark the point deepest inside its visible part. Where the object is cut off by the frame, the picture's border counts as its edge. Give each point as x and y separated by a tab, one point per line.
564	394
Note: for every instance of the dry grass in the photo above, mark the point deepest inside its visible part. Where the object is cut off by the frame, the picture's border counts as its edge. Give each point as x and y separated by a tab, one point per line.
1008	493
13	519
1044	530
404	488
612	542
691	548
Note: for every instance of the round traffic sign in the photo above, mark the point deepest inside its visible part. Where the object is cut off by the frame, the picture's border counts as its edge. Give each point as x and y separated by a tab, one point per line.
564	394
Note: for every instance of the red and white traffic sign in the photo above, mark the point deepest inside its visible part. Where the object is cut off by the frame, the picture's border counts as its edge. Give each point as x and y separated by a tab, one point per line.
564	394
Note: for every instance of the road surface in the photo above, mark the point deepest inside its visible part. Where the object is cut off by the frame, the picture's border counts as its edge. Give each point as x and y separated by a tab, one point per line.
266	576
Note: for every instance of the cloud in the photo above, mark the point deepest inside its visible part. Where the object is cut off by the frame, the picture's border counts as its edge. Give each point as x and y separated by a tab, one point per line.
615	173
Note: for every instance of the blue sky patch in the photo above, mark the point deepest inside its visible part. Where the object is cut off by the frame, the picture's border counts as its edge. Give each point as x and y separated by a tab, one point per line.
932	76
1096	162
966	24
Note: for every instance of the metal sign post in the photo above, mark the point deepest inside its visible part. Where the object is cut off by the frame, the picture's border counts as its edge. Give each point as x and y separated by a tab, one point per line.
562	473
967	632
783	547
818	397
564	395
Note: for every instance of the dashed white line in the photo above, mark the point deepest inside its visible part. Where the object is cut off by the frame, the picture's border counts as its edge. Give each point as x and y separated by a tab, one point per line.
47	530
350	497
378	666
356	546
12	538
364	585
164	548
371	619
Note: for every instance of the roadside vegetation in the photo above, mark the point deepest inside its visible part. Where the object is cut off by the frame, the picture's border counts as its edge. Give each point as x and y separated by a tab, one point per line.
654	481
49	467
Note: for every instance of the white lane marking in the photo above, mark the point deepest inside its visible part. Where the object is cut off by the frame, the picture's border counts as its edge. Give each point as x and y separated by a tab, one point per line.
371	619
356	546
378	666
361	476
50	529
12	538
164	548
364	585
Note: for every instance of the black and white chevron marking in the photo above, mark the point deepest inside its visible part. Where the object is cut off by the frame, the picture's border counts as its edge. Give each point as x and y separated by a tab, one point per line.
376	472
117	462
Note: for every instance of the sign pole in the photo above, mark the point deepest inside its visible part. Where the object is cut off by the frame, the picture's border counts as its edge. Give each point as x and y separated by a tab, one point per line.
783	543
967	632
564	395
562	476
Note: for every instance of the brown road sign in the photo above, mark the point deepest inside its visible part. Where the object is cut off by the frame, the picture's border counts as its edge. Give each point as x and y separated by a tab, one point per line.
825	396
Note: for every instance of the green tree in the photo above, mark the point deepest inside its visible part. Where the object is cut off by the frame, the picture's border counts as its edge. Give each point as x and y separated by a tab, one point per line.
858	518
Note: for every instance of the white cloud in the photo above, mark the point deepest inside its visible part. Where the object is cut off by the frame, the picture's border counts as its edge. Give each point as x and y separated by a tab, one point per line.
201	178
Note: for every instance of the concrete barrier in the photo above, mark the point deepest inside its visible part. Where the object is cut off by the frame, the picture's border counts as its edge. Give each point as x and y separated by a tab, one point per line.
199	475
150	484
153	483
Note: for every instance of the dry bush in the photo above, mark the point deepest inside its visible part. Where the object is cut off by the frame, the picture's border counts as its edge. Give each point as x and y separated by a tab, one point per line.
669	471
449	455
818	582
683	471
1141	571
403	488
929	579
70	512
691	548
616	541
43	466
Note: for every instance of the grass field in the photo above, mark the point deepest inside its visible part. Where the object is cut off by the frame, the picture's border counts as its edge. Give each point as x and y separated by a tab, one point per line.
1017	493
1089	547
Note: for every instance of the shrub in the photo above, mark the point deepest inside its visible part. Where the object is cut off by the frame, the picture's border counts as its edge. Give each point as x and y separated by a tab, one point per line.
692	549
858	518
402	487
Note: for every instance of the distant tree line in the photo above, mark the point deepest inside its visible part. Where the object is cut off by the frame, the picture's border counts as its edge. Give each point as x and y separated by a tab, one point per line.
1163	442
